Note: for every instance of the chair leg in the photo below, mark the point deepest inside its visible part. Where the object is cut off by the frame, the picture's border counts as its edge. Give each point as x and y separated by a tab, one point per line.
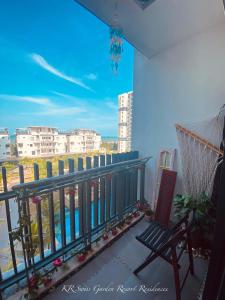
190	254
147	261
141	267
176	274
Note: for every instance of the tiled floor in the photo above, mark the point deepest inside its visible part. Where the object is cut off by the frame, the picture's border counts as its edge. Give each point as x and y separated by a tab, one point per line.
113	269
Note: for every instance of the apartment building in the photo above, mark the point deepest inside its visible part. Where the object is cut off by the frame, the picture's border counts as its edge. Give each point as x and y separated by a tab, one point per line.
83	140
47	141
125	121
5	152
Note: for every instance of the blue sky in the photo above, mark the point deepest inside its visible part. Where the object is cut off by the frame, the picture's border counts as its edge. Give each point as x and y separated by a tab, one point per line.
55	67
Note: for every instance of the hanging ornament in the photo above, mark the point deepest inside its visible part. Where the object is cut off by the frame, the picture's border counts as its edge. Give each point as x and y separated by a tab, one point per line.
116	42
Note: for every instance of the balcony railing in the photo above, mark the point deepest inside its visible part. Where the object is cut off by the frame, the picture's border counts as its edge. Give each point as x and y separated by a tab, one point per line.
67	213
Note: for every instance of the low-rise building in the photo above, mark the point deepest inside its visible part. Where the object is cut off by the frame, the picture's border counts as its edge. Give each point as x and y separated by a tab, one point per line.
47	141
84	140
5	151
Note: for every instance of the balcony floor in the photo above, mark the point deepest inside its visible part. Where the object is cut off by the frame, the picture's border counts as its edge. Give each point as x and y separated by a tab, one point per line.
114	266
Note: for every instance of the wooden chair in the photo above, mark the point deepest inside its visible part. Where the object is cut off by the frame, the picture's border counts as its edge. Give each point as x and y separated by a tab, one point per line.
163	243
162	240
165	197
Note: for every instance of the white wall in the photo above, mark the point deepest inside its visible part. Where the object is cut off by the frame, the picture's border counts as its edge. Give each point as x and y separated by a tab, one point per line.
184	83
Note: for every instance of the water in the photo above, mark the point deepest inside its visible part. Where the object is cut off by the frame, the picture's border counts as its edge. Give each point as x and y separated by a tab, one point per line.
77	225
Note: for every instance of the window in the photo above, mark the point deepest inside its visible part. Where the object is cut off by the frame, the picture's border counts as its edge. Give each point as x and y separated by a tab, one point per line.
33	152
20	145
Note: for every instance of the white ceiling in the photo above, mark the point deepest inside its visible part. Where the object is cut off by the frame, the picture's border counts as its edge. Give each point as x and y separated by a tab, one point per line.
162	24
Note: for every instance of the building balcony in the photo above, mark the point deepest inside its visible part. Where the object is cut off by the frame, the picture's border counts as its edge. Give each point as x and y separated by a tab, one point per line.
179	51
71	214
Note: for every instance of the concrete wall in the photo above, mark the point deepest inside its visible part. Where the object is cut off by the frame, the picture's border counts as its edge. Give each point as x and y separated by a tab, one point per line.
184	83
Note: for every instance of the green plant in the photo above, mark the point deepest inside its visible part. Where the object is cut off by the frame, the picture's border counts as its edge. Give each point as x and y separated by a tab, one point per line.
201	207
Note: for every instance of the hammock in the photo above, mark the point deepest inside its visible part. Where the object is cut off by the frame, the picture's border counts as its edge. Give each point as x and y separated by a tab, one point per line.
199	145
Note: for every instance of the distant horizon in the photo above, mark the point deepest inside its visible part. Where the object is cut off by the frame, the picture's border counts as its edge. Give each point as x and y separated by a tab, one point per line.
13	131
55	68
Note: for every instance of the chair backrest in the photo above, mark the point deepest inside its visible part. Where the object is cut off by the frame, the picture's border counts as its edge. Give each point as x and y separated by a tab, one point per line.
165	198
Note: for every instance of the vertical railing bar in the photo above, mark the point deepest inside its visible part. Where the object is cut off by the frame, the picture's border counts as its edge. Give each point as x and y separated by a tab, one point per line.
51	210
131	187
136	154
9	224
108	189
118	196
123	199
126	195
80	199
142	183
72	194
24	208
62	206
102	192
114	178
96	196
39	216
88	203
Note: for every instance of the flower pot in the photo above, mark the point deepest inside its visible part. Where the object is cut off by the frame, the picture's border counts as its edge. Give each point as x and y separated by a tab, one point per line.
114	231
81	257
57	262
136	214
149	218
105	236
47	281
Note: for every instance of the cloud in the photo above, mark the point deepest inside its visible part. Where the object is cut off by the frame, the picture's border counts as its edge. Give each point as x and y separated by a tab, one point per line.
92	76
37	100
60	111
112	105
38	59
50	108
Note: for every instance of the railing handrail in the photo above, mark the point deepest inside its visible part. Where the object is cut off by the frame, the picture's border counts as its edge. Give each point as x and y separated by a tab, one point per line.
60	181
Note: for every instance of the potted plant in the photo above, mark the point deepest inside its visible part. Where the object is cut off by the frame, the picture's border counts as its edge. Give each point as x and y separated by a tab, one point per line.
81	256
142	206
202	220
149	214
136	214
105	236
114	231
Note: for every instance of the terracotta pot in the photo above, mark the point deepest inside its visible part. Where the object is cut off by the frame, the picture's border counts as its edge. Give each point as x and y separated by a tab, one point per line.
114	231
199	240
149	218
81	257
136	214
105	236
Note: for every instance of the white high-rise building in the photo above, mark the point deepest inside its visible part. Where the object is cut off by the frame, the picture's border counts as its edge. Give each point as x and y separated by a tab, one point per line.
47	141
5	152
125	121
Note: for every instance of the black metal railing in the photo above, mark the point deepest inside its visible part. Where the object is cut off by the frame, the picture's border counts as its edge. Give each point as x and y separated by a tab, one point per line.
67	212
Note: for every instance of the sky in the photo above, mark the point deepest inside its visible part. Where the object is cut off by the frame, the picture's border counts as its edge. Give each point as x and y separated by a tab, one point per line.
55	67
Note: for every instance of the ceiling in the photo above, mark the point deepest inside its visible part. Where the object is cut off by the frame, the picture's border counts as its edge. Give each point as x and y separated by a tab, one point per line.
160	25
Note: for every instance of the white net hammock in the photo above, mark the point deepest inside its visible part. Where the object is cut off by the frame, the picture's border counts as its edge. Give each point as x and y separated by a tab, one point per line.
199	145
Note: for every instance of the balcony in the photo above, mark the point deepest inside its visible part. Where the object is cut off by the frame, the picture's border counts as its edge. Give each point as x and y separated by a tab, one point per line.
179	51
80	206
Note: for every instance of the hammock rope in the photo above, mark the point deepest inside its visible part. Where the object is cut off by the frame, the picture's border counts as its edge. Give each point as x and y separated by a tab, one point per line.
199	145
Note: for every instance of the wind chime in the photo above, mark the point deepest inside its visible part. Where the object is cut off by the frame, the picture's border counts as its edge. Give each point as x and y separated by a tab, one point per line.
116	41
